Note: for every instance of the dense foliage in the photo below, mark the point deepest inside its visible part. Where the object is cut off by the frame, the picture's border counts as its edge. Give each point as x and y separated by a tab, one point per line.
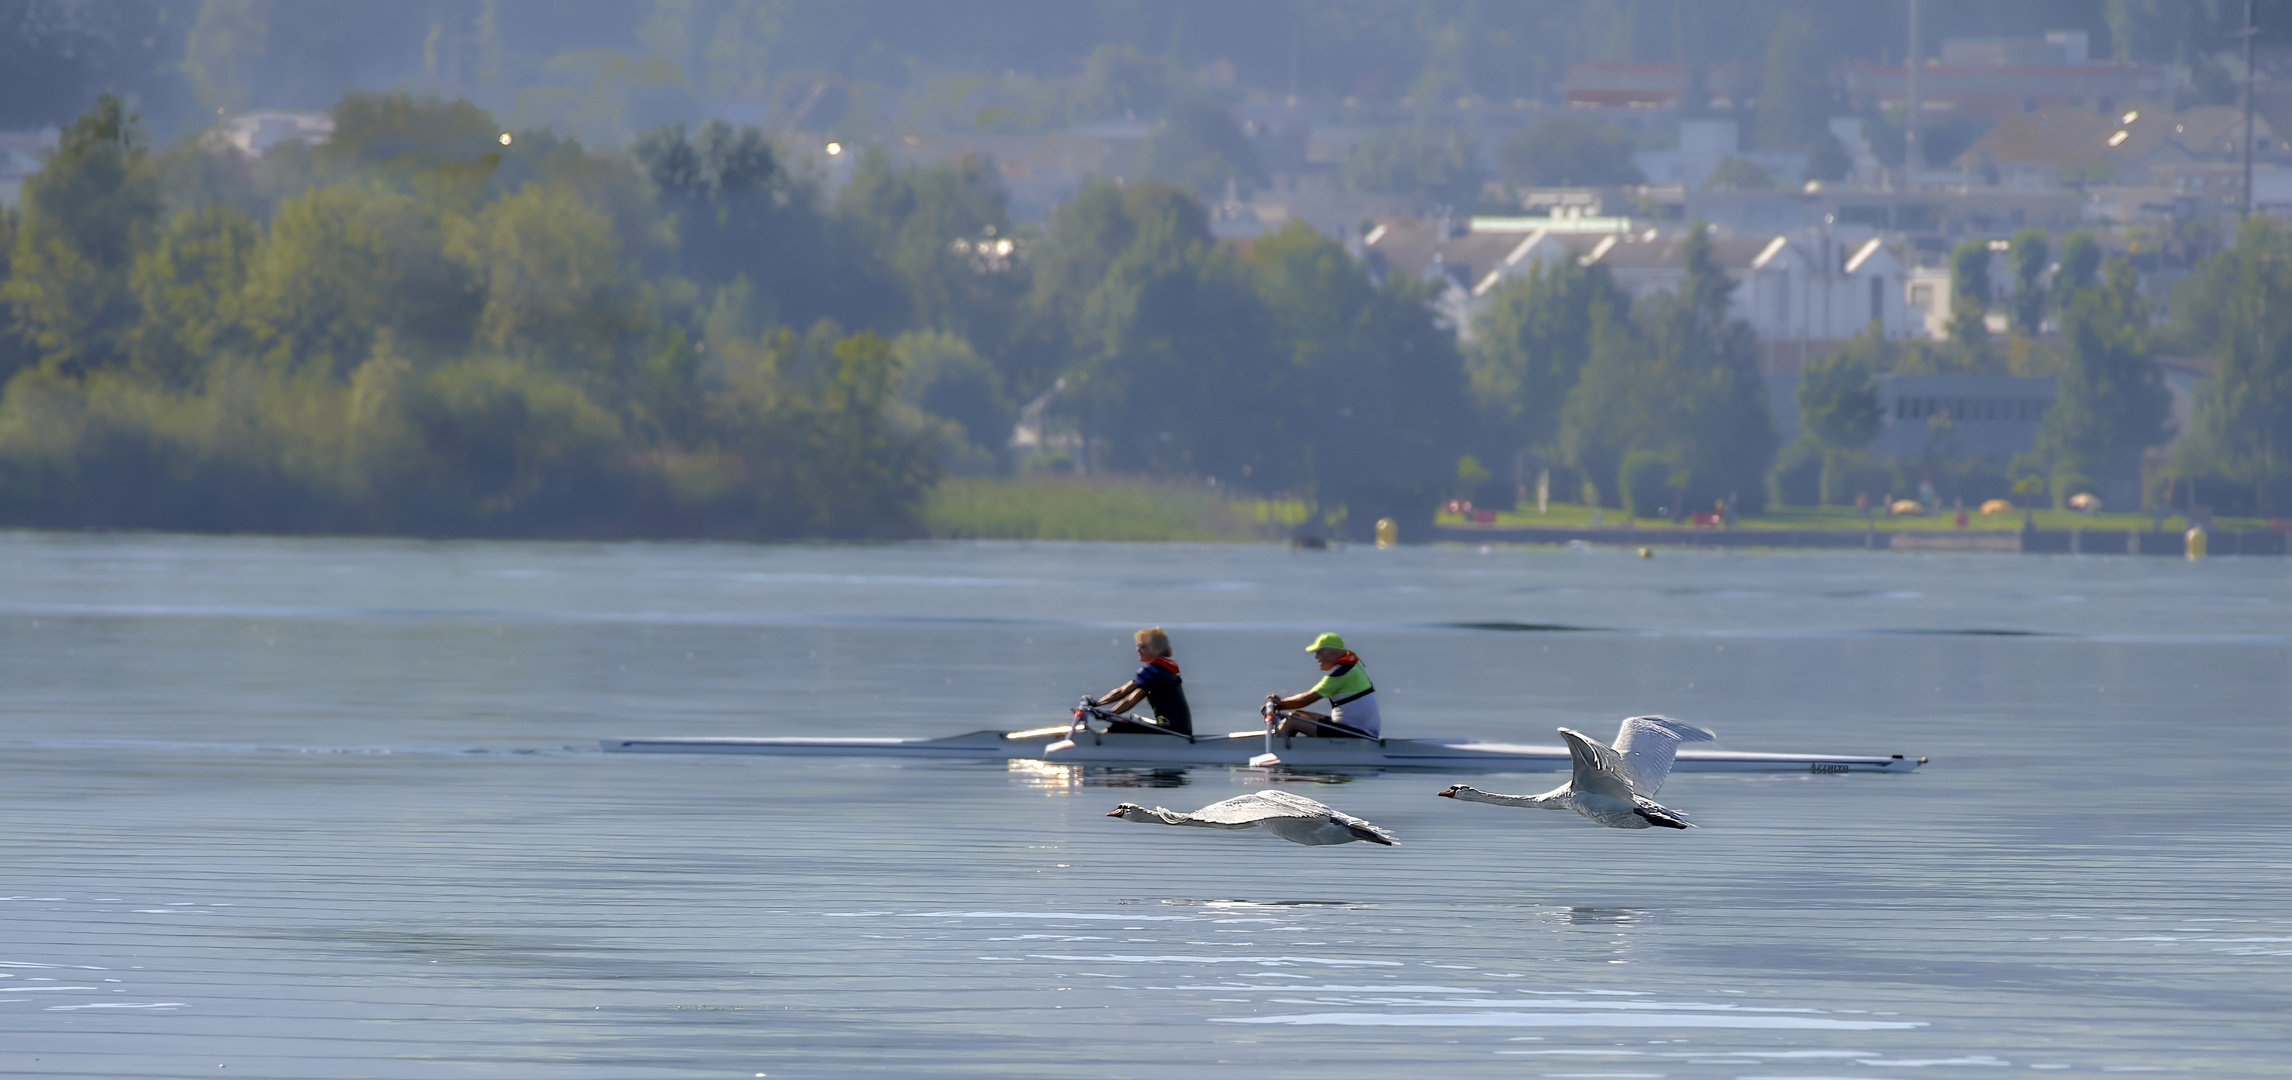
1839	417
2109	404
415	336
426	326
1653	403
2237	308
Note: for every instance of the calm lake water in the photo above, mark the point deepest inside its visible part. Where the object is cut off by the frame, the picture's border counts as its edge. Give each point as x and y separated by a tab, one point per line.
335	808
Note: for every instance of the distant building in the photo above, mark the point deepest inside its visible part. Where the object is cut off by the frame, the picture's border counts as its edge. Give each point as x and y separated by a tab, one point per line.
2059	48
1643	86
1803	293
1935	216
1966	80
2140	145
1992	417
1468	258
254	133
1989	416
1703	144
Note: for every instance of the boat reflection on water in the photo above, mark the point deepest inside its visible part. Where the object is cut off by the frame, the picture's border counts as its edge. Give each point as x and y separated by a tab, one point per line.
1618	925
1600	916
1055	776
1051	776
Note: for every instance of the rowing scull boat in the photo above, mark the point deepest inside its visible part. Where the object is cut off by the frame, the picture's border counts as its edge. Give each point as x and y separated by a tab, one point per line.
1237	748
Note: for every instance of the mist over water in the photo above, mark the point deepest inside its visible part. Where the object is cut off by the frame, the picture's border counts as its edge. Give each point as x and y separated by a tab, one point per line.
335	808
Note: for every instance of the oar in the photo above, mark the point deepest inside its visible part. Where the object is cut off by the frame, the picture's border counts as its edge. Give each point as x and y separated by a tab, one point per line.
1260	761
1269	758
1349	730
1086	709
1079	708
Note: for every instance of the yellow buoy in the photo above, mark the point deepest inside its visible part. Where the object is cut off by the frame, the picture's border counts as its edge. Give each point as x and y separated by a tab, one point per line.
1388	532
1647	553
2197	543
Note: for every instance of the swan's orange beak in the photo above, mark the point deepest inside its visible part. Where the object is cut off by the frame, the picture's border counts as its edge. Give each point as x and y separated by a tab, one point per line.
1114	813
1447	793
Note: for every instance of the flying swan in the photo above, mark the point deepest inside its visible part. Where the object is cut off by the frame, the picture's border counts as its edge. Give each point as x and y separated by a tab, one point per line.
1294	818
1611	786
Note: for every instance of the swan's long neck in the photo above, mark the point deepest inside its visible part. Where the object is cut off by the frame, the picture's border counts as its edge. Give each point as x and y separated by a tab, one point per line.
1550	800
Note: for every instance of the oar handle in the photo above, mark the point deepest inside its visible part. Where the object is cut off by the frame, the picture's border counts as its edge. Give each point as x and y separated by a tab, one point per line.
1088	709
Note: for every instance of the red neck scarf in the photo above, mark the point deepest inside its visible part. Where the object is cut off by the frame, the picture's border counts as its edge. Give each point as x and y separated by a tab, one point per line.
1165	663
1345	658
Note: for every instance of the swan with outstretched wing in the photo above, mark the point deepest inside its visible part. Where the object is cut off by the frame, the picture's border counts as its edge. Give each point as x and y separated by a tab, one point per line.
1611	784
1294	818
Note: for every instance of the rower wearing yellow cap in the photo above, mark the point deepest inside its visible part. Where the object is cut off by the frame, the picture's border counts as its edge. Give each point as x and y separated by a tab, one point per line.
1352	698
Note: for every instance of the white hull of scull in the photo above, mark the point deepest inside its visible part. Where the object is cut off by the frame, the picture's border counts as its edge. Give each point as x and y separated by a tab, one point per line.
1238	748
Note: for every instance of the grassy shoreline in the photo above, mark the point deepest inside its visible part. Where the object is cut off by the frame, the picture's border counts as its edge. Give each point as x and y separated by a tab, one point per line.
1140	510
1843	518
1100	508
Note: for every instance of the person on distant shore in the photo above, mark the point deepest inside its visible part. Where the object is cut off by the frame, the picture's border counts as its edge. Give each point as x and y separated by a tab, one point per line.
1352	697
1157	683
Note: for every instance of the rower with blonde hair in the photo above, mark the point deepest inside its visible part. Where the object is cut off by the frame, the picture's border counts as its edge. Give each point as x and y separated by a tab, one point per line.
1156	683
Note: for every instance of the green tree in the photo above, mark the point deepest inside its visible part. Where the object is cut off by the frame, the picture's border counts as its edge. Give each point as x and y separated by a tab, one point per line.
1970	301
400	134
346	262
510	446
84	214
1173	348
549	269
802	441
419	347
1679	382
1529	343
2080	267
2110	402
949	387
1080	241
1372	400
736	212
191	284
1839	414
2028	254
2238	306
946	234
15	350
1566	151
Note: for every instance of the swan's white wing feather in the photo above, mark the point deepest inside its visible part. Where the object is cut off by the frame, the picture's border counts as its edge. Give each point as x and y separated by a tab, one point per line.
1259	806
1599	770
1647	745
1363	829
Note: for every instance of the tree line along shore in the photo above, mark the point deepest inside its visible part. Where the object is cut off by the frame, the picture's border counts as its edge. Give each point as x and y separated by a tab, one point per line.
427	325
